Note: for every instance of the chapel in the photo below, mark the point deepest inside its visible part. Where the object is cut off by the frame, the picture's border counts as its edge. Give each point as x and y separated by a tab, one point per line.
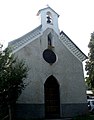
56	86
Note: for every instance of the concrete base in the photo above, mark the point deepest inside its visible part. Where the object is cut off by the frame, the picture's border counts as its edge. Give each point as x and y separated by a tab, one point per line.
72	110
28	111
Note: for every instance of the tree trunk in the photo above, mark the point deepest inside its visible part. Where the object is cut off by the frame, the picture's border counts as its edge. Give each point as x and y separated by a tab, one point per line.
10	112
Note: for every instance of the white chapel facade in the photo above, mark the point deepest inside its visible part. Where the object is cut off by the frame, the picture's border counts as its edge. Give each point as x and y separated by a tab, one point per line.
56	86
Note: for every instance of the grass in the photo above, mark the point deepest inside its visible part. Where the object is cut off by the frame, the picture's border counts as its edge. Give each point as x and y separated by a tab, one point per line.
36	119
91	117
32	119
87	117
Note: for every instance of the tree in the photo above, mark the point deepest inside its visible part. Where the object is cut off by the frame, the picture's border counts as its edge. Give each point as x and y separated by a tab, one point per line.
12	73
90	63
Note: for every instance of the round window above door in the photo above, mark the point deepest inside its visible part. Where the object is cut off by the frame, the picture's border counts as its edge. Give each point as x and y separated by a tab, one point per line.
49	56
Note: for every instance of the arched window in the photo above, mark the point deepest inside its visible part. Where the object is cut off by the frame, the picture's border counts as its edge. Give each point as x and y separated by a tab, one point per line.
49	40
49	17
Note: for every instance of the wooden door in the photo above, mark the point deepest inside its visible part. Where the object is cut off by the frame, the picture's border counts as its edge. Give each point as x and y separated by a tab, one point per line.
52	98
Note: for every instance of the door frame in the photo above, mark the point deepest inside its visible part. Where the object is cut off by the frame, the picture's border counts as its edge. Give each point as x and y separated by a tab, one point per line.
52	104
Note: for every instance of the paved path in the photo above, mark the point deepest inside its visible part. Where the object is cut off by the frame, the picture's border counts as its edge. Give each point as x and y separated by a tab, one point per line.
60	119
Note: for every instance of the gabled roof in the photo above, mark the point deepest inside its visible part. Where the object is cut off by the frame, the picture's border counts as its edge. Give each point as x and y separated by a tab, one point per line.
47	8
72	47
25	39
31	36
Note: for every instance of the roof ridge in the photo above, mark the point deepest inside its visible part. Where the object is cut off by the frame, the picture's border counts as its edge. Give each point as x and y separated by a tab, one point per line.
13	41
47	8
72	46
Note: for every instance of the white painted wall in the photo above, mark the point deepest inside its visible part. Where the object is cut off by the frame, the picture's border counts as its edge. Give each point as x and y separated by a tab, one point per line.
44	23
67	70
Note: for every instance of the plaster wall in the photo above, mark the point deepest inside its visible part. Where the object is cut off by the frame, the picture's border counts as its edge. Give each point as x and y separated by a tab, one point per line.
68	71
54	24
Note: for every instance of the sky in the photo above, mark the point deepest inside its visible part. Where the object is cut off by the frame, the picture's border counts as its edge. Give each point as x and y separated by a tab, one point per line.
18	17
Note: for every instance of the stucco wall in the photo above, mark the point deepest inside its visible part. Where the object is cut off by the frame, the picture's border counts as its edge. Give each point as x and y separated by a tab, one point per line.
67	70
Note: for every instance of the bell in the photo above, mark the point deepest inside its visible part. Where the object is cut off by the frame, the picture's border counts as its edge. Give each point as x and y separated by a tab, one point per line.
48	19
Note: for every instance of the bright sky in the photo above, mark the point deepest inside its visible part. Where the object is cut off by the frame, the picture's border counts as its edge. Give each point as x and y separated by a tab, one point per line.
18	17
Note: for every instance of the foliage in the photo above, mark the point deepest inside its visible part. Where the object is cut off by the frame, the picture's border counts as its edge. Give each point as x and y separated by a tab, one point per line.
85	117
90	63
12	74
